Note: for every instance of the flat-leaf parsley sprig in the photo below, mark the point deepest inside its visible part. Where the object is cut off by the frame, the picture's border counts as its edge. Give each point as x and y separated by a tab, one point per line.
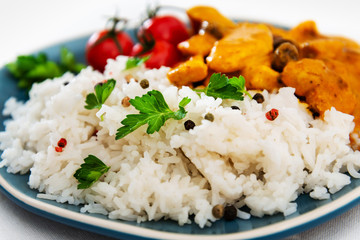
133	62
90	172
154	111
220	86
30	69
102	92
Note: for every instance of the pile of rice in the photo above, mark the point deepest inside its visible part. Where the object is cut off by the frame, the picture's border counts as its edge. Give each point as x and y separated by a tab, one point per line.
240	158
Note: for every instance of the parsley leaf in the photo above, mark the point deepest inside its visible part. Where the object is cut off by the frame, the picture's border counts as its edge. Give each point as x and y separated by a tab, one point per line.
154	111
220	86
68	61
90	171
30	69
102	92
133	62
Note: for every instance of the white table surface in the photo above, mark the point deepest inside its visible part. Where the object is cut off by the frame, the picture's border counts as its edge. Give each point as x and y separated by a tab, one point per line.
26	26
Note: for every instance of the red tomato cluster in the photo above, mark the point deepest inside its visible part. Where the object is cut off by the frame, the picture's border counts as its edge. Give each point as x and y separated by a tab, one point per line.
158	37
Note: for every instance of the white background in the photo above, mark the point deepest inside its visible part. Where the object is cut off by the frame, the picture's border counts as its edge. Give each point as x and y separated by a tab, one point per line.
27	26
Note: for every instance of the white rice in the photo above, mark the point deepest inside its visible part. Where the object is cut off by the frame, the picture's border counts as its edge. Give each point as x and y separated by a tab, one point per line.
240	158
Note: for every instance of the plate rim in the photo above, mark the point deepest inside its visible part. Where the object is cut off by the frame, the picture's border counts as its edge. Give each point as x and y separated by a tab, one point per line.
114	229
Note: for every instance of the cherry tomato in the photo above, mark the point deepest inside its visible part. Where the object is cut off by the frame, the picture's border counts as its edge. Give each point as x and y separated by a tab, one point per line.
107	44
167	28
162	54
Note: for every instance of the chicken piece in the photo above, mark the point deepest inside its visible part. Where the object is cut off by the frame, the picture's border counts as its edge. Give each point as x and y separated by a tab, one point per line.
213	17
325	48
322	99
344	59
245	43
351	57
336	48
345	70
199	44
342	56
261	77
305	31
186	73
322	87
303	75
348	42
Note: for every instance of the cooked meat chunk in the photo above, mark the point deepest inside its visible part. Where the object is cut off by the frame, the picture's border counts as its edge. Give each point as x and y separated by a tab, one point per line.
244	44
322	87
199	44
304	32
213	17
261	77
188	72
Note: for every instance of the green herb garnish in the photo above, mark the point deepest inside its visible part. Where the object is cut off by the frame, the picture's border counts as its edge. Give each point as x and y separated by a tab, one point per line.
133	62
68	61
220	86
154	111
90	171
102	92
32	69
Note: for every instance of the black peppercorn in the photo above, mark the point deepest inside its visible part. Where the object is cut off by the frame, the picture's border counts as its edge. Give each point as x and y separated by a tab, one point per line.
259	98
235	107
189	125
144	83
230	213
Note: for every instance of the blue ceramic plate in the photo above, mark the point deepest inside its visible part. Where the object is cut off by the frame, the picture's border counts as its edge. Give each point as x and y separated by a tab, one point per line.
310	212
